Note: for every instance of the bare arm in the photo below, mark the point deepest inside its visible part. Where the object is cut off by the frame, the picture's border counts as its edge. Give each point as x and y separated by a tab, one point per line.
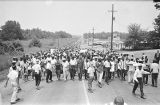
6	83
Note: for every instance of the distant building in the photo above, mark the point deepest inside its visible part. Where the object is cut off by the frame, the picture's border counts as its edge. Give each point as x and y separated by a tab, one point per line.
117	42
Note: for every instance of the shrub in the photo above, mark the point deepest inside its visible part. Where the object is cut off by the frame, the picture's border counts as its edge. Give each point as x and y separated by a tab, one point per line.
18	46
35	43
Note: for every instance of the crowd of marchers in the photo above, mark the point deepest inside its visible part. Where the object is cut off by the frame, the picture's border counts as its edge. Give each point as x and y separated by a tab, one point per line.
89	65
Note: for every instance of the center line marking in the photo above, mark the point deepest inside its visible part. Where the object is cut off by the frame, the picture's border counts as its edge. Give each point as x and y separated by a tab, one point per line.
85	92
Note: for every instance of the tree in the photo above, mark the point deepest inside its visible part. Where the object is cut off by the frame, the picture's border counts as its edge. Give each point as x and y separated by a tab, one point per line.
134	36
11	31
62	34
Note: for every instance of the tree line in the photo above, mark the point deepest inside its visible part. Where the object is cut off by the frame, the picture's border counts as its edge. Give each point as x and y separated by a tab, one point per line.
105	35
11	30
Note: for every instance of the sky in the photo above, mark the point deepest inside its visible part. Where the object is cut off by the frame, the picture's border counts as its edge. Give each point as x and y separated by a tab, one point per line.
78	17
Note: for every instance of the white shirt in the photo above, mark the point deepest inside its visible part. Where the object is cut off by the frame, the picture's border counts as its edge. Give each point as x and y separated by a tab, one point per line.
65	65
48	59
73	62
91	71
34	60
49	66
13	75
53	62
138	74
107	64
131	67
37	68
155	67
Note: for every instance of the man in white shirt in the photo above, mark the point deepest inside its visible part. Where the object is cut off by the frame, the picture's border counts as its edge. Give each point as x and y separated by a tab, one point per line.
138	79
91	71
130	71
107	68
13	77
155	72
49	71
65	65
73	64
124	69
37	70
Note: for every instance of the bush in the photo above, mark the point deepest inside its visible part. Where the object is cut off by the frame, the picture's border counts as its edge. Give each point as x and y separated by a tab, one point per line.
35	43
11	46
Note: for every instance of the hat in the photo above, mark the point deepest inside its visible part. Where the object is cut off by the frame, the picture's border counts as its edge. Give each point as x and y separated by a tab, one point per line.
13	62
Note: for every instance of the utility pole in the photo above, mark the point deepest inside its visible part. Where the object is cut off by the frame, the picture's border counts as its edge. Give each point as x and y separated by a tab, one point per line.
58	42
88	38
112	26
93	37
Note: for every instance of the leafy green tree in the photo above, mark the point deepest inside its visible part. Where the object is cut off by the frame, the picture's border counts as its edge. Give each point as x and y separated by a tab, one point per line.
134	37
11	31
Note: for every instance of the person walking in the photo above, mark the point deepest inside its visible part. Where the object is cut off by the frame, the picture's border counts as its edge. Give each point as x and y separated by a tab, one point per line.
13	77
138	80
37	73
73	64
157	56
130	71
65	65
154	72
86	68
112	69
49	71
91	71
80	64
58	66
99	67
123	71
107	67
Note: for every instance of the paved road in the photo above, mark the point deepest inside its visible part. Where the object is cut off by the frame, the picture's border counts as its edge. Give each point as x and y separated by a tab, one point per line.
75	93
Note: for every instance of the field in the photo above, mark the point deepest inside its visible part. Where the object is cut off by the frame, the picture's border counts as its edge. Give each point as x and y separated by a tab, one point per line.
5	60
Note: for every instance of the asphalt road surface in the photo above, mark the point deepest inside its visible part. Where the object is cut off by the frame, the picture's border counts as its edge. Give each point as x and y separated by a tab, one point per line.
75	93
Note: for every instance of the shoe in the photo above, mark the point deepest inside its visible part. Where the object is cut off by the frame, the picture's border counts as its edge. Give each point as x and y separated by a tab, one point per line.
17	99
38	88
90	91
13	103
133	93
143	97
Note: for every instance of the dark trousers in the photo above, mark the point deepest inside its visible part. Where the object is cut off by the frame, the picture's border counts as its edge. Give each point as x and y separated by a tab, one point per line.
154	79
140	82
72	72
58	73
90	80
123	74
95	75
85	74
107	70
80	73
118	73
145	78
49	75
37	79
33	74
